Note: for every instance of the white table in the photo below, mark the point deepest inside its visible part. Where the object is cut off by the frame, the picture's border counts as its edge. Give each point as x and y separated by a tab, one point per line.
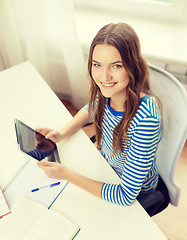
26	96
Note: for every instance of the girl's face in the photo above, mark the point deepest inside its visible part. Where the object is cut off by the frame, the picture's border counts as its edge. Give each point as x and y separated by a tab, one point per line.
109	74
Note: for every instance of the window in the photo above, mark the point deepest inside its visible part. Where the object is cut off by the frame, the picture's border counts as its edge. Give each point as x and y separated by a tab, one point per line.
175	10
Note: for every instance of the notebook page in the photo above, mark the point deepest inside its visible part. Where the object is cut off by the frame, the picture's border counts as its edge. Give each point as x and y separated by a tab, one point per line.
50	226
45	196
24	214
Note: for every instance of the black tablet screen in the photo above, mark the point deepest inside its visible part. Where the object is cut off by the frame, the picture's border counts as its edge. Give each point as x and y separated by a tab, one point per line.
35	144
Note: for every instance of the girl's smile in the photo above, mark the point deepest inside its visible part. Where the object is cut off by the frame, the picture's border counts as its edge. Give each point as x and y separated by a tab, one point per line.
108	85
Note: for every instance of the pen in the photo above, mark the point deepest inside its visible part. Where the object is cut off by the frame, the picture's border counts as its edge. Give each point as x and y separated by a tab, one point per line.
50	186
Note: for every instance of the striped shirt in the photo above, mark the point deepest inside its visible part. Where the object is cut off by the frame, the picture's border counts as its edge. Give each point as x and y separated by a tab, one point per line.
136	165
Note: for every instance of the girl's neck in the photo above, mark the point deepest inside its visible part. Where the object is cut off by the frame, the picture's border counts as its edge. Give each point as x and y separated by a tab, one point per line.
118	106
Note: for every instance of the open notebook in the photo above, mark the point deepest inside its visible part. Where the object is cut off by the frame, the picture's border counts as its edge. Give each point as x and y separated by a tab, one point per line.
31	220
4	208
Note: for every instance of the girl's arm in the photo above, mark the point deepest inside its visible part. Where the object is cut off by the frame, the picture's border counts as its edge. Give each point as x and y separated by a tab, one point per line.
56	170
78	121
138	162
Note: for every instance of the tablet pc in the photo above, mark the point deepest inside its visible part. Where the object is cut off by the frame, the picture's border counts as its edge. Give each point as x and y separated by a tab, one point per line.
35	144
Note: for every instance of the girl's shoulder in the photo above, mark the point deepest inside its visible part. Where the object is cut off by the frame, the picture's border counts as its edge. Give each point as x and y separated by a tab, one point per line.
148	107
147	115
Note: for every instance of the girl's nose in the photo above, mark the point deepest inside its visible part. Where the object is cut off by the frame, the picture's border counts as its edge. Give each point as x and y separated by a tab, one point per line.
106	75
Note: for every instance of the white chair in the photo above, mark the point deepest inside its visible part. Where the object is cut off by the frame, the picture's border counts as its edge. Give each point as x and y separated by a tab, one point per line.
173	97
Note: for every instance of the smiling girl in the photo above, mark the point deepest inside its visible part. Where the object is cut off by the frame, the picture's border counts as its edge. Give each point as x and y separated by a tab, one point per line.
125	114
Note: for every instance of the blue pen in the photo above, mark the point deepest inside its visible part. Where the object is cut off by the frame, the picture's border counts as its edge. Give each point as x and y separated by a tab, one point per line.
49	186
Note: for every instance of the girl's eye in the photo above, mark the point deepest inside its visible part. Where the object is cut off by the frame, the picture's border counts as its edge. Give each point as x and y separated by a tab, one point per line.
117	66
96	64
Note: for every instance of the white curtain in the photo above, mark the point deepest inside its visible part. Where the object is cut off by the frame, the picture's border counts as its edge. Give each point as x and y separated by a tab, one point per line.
44	32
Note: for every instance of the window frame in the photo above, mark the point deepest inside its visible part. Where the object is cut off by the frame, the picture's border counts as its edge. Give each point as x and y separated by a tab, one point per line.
175	11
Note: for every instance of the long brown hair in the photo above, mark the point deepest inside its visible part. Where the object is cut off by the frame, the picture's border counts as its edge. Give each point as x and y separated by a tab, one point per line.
125	40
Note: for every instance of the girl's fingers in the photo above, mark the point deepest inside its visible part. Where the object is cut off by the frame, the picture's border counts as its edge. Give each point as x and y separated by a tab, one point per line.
43	131
44	164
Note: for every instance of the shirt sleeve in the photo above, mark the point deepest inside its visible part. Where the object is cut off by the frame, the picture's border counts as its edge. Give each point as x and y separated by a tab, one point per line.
85	108
139	160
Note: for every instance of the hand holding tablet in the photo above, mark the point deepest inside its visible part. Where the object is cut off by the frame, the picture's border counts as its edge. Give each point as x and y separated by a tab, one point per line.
54	135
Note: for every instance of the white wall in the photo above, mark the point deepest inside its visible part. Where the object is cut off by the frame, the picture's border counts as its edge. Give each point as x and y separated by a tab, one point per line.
164	43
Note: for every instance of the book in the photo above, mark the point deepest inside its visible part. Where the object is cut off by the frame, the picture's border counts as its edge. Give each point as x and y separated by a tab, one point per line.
4	208
30	220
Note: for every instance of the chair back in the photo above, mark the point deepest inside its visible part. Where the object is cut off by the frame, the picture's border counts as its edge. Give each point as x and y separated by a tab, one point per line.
173	98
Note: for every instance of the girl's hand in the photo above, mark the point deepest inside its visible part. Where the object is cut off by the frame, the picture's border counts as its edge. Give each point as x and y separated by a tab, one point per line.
56	170
52	169
54	135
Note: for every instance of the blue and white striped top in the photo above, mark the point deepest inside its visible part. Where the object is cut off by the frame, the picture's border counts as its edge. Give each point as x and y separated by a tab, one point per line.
136	165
